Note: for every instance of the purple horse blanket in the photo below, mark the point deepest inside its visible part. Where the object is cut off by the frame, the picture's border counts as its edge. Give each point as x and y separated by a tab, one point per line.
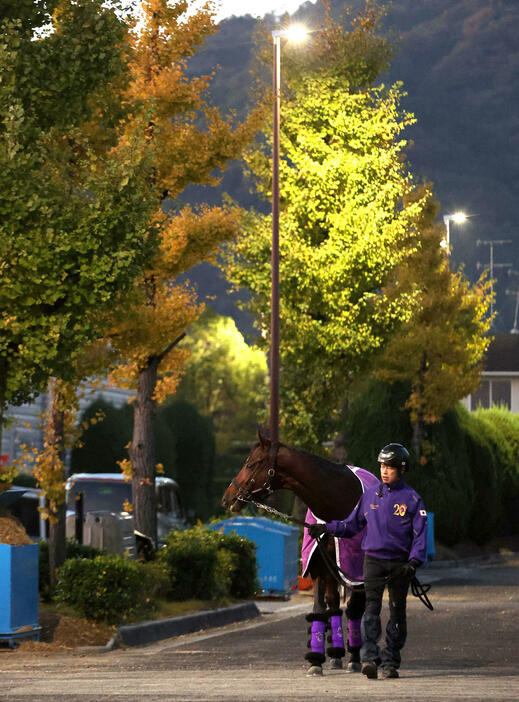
348	553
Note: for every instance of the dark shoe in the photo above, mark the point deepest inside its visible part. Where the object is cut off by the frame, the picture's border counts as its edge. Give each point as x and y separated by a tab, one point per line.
353	667
369	669
389	672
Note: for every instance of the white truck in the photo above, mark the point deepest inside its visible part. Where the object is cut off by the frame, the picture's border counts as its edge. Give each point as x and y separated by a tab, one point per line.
106	510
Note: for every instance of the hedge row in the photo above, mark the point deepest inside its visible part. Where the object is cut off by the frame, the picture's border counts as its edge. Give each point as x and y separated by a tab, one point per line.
195	564
468	473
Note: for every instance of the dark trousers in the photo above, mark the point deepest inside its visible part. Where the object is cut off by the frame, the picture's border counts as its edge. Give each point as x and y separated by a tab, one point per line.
375	572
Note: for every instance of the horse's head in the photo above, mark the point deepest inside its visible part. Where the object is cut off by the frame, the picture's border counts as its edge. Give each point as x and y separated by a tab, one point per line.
255	479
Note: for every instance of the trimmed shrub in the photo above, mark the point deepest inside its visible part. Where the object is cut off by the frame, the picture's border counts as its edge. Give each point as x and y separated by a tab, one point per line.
244	575
205	564
73	550
110	588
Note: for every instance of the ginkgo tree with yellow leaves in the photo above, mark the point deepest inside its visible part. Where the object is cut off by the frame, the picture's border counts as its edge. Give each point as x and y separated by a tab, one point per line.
439	351
189	141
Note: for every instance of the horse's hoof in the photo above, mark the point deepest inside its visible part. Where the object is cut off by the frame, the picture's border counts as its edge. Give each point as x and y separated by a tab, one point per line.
353	667
314	670
335	663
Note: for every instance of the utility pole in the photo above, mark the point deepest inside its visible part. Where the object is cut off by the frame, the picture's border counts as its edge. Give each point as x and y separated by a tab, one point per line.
514	293
491	243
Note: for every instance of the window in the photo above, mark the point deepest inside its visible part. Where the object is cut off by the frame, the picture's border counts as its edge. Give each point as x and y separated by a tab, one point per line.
100	495
491	393
501	393
481	398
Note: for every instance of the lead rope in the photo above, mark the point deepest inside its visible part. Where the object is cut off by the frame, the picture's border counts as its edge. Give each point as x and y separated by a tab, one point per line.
418	589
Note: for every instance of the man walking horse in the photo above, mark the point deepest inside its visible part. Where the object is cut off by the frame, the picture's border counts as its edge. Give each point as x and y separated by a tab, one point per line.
332	492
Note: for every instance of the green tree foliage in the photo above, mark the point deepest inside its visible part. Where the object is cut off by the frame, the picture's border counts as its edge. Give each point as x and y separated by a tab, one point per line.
440	349
344	224
107	431
225	378
73	215
191	449
184	442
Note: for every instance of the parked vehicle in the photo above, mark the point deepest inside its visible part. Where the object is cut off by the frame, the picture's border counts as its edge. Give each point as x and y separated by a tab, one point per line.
27	510
111	493
107	520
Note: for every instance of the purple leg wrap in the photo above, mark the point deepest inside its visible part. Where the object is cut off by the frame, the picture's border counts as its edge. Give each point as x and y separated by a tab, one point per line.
337	638
354	635
318	637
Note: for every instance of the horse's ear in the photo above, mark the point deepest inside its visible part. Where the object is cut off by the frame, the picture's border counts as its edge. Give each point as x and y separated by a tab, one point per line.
264	442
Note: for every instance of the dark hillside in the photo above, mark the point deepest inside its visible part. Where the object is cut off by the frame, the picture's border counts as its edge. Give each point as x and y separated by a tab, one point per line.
459	62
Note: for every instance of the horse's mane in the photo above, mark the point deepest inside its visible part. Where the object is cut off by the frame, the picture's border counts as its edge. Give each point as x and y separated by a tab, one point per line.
322	462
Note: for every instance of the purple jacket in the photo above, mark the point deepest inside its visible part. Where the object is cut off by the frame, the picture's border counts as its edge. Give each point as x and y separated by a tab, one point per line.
396	522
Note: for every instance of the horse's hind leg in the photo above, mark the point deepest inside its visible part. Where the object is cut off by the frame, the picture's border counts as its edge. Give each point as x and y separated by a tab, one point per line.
354	611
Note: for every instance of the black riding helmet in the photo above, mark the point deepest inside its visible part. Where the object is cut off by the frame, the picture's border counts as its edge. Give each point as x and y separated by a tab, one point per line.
395	456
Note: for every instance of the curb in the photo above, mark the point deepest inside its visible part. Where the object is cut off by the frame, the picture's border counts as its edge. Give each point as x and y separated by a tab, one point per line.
468	562
152	631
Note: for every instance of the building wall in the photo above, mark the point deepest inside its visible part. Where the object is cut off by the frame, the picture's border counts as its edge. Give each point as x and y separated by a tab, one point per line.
25	426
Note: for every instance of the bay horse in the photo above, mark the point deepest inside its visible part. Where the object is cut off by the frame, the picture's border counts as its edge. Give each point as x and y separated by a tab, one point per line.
330	491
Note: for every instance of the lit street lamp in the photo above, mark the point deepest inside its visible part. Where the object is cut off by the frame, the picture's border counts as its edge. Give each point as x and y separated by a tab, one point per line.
459	218
296	33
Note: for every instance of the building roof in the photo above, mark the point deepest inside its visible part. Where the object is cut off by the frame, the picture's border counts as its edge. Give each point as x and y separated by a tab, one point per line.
503	354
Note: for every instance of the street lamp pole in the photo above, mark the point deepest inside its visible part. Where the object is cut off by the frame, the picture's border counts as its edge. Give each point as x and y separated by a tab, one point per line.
274	261
296	33
457	217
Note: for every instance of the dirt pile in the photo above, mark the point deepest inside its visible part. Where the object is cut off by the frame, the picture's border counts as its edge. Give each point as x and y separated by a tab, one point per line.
62	633
12	531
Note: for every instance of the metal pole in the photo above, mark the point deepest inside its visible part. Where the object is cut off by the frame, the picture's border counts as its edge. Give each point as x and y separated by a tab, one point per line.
78	520
491	280
274	301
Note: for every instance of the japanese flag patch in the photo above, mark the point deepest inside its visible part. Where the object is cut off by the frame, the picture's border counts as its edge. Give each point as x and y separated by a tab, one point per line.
423	513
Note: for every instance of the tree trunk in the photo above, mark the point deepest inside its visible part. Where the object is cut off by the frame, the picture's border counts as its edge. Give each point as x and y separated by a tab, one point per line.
416	441
57	544
57	536
3	384
142	453
418	425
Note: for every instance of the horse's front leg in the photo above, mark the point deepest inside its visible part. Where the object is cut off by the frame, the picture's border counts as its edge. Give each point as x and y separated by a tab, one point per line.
336	648
317	630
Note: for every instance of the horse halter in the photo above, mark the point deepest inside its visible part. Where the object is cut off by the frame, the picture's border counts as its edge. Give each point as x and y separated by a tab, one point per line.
247	493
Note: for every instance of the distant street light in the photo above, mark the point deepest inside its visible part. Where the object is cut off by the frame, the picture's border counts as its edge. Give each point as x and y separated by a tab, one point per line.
458	218
296	33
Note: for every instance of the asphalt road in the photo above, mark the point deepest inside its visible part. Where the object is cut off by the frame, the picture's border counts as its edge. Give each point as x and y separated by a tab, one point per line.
467	649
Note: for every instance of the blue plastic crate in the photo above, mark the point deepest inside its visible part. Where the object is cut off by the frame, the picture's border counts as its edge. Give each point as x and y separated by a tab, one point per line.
277	550
18	593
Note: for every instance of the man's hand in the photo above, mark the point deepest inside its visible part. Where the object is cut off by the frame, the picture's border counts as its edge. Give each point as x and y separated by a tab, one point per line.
409	568
316	530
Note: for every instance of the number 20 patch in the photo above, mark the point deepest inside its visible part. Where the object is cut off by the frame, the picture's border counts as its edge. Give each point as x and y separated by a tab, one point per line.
400	510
